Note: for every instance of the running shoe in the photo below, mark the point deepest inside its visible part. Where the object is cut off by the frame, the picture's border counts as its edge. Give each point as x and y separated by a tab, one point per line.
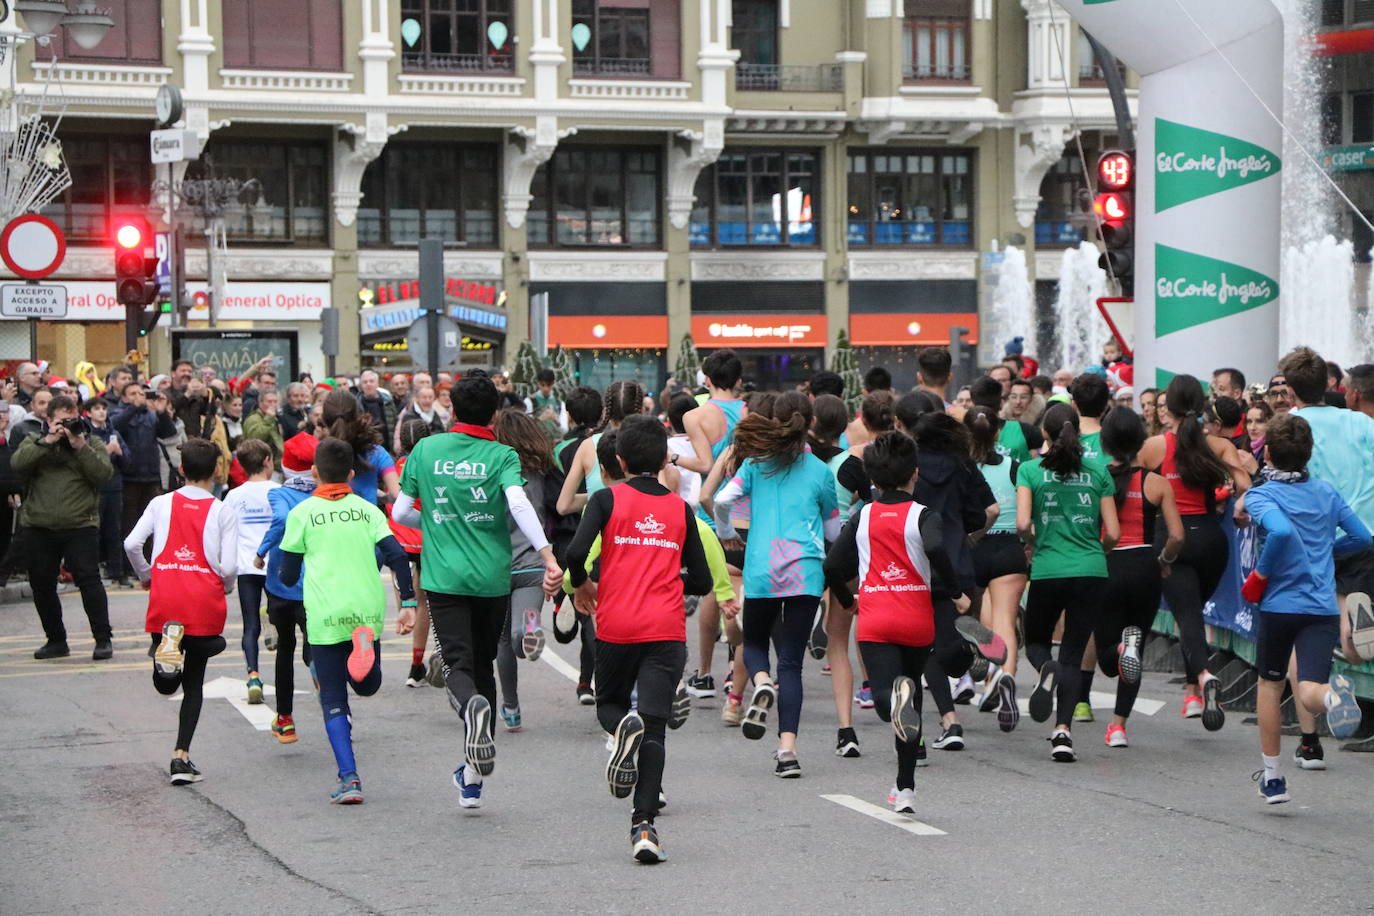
787	766
585	696
532	643
565	621
1061	747
1083	712
1192	707
1042	698
951	739
1213	717
1116	736
254	689
819	640
1008	713
362	656
1129	662
892	794
986	701
729	683
755	724
690	603
962	690
662	801
511	717
168	658
978	669
469	794
479	748
1343	710
104	649
348	792
921	759
988	644
416	678
825	669
1310	757
52	649
622	772
682	707
182	772
1361	614
904	801
732	712
1273	791
847	743
284	728
644	844
863	697
434	672
701	686
906	721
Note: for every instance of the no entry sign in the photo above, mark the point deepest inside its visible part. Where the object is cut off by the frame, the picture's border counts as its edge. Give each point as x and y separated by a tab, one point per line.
32	246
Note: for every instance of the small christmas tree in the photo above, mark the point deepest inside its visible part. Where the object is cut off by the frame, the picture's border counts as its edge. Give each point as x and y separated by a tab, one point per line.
844	363
527	366
688	362
564	376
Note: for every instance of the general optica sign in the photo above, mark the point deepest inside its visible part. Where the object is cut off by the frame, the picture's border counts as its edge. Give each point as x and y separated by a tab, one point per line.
89	300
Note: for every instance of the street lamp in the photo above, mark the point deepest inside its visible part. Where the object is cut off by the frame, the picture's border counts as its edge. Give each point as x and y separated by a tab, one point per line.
88	24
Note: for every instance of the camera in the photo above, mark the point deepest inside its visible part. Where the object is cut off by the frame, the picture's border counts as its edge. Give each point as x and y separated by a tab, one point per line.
75	426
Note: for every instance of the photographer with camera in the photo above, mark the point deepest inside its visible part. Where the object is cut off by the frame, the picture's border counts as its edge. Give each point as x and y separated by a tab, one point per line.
62	474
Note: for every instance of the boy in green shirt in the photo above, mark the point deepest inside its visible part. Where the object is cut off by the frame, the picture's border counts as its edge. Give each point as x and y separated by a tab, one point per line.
345	603
467	483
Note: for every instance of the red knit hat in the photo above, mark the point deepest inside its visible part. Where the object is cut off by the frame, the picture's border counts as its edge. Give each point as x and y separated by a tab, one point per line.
299	452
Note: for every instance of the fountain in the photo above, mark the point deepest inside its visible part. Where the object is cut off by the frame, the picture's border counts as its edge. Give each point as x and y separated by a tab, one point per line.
1081	330
1011	310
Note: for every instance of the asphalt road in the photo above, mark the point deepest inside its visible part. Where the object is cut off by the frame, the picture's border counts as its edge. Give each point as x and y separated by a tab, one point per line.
1170	825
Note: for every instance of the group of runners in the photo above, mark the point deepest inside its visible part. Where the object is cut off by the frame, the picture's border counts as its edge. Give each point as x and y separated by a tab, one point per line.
940	539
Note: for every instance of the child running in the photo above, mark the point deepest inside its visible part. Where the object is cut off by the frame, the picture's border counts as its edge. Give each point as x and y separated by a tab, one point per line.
1066	514
792	494
891	546
249	503
648	536
340	534
1294	584
195	561
286	603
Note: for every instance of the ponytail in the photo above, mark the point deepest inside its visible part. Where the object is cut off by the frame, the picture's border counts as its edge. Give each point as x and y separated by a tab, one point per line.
1123	434
623	399
1065	453
779	439
983	434
1198	467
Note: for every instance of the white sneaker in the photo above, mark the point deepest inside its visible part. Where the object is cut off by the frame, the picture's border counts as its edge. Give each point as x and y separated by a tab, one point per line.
904	801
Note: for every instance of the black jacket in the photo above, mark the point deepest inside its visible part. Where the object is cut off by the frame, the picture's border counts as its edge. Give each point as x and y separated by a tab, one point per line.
141	428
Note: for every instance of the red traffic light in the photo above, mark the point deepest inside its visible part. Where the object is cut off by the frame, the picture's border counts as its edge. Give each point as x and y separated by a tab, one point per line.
1113	207
1115	171
131	232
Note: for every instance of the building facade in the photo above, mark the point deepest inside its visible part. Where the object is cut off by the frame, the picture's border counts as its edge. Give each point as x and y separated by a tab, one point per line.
763	174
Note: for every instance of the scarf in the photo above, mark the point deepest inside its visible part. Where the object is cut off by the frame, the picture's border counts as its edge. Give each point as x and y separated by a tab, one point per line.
469	429
333	490
1277	476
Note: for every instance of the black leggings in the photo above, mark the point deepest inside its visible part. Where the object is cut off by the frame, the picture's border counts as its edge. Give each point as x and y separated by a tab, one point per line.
655	668
1190	585
949	657
886	662
1131	599
287	616
1079	598
467	630
199	650
797	613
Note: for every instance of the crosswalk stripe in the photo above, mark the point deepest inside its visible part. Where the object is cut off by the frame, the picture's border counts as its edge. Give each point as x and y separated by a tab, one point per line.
900	821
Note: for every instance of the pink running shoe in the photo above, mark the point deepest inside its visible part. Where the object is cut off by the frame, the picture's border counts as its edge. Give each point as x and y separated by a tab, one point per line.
364	654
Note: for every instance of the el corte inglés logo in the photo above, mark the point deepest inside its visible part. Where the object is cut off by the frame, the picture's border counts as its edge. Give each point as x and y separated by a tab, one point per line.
1191	163
1192	289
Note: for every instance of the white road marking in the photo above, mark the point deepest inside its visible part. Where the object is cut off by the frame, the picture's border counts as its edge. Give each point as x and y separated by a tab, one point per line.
234	690
1099	700
900	821
557	664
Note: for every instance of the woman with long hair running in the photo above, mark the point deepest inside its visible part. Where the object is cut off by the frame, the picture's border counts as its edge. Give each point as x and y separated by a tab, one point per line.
793	508
1135	574
1066	514
523	634
1203	471
999	563
373	469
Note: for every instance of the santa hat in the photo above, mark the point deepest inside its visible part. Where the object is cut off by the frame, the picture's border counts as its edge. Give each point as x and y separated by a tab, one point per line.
298	454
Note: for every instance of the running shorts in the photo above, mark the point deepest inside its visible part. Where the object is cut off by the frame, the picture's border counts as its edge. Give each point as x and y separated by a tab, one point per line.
1355	573
1311	636
998	555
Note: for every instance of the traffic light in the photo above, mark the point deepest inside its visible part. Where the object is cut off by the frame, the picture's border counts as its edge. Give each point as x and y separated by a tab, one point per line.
135	276
1114	208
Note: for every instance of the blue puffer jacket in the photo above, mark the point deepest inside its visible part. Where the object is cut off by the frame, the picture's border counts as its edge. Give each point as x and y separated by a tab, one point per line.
141	428
283	499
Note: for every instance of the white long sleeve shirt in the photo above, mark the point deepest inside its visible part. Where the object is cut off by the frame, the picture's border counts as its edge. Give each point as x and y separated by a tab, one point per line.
220	538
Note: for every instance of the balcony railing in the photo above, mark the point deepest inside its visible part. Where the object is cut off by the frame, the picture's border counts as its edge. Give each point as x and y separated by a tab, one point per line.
612	66
954	73
458	63
790	77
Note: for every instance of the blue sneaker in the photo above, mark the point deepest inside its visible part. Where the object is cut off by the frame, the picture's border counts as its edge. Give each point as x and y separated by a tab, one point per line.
644	844
1343	718
469	796
511	717
349	791
1273	791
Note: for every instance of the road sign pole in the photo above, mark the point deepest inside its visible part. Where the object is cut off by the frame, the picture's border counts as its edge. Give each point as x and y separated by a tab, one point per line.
33	340
432	297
